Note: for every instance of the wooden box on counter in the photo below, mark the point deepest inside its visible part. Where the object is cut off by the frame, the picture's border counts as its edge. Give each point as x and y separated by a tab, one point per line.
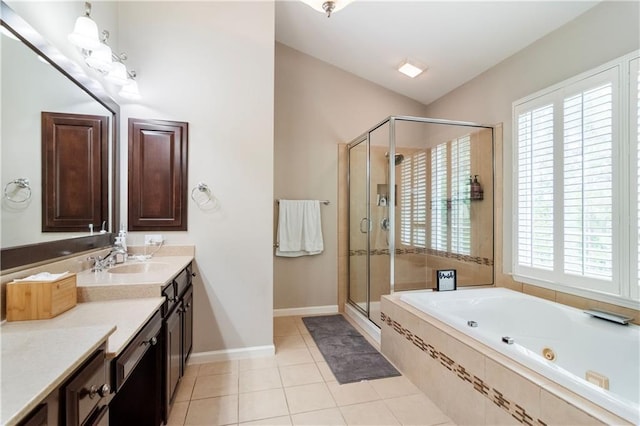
33	300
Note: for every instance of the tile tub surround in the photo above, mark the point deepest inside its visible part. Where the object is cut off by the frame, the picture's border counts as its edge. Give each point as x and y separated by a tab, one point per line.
472	383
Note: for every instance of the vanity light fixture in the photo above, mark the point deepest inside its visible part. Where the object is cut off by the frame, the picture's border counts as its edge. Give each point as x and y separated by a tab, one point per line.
410	69
101	58
130	90
327	6
85	31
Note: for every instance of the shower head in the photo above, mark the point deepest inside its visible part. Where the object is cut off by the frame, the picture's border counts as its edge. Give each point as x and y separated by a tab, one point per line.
399	157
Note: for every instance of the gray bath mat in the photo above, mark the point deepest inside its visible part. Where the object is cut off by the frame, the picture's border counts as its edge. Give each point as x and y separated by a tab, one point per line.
349	355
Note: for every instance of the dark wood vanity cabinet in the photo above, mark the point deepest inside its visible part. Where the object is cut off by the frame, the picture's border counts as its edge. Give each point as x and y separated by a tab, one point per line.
178	332
137	378
84	397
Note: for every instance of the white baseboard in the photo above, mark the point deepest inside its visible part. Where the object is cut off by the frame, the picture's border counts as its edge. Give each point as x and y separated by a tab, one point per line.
230	354
310	310
370	328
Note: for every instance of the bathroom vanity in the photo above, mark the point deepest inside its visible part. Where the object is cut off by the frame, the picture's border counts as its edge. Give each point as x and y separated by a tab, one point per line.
116	358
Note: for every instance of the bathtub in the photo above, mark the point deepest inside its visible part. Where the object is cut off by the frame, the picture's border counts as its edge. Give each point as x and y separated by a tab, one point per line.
577	342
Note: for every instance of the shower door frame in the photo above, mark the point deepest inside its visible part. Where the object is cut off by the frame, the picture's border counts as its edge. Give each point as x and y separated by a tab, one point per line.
366	137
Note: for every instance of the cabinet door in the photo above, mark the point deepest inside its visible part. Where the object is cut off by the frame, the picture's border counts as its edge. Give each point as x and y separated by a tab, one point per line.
157	175
187	317
173	338
74	171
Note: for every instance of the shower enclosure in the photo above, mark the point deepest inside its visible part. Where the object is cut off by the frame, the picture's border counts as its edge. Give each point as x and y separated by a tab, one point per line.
420	199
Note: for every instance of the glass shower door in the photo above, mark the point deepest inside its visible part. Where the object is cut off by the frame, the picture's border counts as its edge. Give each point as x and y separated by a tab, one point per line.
359	225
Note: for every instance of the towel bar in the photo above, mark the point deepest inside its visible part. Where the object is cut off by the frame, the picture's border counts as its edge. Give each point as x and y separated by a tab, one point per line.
325	202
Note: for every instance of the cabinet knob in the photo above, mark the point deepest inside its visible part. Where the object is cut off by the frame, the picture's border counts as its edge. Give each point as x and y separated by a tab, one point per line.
193	274
153	341
102	390
188	305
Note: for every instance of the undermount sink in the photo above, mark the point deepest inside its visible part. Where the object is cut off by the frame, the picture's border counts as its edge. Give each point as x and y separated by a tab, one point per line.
138	268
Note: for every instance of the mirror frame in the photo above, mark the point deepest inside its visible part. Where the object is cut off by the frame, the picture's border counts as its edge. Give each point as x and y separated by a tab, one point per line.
20	256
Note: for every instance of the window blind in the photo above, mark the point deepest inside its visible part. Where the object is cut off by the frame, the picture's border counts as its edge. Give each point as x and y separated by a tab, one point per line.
535	247
439	197
588	175
419	210
460	195
413	200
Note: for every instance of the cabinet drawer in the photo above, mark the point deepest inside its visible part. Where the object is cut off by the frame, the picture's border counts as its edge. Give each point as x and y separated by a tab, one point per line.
134	352
87	390
183	279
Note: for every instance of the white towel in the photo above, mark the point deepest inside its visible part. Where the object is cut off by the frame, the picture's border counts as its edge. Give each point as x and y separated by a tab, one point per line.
299	228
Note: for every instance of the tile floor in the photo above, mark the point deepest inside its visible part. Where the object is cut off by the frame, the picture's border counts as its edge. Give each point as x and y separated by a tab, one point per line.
295	387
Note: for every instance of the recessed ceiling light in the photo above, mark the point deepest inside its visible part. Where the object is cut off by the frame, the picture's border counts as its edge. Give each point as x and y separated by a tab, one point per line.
410	69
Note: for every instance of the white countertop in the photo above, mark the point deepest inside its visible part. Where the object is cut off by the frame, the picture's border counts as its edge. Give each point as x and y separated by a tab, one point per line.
36	362
104	285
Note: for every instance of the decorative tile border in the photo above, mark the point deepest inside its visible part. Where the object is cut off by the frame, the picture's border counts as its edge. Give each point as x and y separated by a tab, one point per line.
516	411
425	251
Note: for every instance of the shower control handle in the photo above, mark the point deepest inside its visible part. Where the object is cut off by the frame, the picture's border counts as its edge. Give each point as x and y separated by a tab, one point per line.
384	224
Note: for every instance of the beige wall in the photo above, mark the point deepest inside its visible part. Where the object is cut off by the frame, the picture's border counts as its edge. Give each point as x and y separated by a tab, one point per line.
318	106
605	32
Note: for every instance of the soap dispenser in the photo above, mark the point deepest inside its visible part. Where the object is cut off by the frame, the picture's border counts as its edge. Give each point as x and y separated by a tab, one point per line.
476	189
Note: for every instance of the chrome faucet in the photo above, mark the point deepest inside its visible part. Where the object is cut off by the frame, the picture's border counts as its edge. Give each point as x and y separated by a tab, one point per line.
101	263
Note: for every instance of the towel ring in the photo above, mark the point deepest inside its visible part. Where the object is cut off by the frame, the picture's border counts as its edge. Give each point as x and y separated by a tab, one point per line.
202	196
15	187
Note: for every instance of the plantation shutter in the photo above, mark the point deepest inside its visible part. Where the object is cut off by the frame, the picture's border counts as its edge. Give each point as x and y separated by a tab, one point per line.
535	188
588	183
460	188
413	201
439	197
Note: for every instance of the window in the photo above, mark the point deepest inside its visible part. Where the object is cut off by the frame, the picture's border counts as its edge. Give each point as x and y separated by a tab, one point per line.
413	200
571	170
439	199
450	198
460	195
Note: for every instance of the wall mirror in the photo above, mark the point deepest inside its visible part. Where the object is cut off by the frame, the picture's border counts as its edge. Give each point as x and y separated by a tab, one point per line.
36	77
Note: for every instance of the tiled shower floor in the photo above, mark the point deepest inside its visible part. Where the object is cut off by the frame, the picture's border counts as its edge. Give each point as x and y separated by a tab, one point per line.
295	387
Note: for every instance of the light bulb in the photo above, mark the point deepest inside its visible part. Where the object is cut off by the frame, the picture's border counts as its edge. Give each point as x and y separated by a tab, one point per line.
100	58
130	90
85	34
118	74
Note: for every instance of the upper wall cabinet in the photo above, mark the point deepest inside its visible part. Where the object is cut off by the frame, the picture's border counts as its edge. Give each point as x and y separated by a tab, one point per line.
157	175
75	171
